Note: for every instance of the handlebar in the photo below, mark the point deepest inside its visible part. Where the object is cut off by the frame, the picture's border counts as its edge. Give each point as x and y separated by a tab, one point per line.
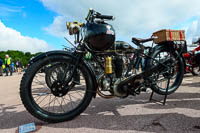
197	42
104	17
92	14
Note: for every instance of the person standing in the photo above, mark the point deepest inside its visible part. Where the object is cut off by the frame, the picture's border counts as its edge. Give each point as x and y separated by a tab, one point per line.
13	66
19	66
8	62
1	68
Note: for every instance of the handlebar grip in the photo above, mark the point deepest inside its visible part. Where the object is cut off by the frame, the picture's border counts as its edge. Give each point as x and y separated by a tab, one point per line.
105	17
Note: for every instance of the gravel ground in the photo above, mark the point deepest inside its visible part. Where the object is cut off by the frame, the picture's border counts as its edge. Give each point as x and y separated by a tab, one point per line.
133	114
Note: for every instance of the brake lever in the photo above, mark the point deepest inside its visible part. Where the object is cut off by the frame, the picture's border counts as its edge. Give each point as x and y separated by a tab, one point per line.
97	13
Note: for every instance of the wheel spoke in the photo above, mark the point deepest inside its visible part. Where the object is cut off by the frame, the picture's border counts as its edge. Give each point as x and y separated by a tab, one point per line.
50	101
60	105
43	99
70	101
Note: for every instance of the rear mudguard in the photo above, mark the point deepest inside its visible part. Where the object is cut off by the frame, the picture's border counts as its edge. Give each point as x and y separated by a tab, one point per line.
69	54
160	46
169	47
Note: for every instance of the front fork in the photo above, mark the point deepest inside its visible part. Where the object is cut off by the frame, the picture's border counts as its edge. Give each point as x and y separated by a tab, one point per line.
74	73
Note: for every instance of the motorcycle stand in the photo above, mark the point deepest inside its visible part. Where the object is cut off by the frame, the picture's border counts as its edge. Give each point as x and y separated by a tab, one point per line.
165	97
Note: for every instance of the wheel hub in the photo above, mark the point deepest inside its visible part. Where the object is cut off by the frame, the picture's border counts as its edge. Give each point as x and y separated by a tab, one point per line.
58	89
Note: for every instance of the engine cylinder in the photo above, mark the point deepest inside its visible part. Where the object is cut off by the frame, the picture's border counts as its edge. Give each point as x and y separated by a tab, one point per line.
119	65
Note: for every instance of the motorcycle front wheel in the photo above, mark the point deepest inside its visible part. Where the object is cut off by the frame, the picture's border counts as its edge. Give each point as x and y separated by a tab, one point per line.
55	103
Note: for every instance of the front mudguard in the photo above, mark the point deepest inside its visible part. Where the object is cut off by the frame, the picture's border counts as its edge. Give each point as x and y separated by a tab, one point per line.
70	55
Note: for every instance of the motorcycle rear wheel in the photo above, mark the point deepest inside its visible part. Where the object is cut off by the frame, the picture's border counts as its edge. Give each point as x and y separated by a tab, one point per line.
177	72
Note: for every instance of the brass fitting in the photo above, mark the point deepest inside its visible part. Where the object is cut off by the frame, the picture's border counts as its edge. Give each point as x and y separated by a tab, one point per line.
74	27
108	65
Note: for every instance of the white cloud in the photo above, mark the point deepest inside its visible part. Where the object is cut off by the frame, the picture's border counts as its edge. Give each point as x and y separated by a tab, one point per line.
58	27
7	10
13	40
193	30
133	17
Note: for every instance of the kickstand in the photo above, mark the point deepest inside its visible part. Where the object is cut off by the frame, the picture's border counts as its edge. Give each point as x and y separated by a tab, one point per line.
165	98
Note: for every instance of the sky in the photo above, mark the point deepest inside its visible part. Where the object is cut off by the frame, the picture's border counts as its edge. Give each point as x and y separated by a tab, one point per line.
39	25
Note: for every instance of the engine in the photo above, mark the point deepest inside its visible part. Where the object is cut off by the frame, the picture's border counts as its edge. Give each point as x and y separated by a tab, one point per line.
115	71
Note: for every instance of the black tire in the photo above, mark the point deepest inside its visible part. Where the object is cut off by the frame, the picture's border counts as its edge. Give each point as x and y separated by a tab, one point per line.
195	71
177	72
28	95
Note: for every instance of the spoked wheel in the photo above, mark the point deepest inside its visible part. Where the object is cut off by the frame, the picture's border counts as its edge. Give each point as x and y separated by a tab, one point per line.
174	72
55	102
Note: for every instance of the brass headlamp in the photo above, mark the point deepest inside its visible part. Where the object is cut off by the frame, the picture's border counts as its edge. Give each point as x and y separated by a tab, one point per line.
74	27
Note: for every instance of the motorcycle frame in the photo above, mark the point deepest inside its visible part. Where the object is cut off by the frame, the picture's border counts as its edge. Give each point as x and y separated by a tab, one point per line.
136	52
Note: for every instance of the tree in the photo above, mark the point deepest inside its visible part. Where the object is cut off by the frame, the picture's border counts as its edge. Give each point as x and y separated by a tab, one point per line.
18	55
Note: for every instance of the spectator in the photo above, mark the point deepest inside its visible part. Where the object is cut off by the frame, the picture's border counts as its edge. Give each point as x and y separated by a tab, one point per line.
13	66
8	62
1	68
19	66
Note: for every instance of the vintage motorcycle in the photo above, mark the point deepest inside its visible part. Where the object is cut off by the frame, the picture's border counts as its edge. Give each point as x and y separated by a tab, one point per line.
73	82
192	63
